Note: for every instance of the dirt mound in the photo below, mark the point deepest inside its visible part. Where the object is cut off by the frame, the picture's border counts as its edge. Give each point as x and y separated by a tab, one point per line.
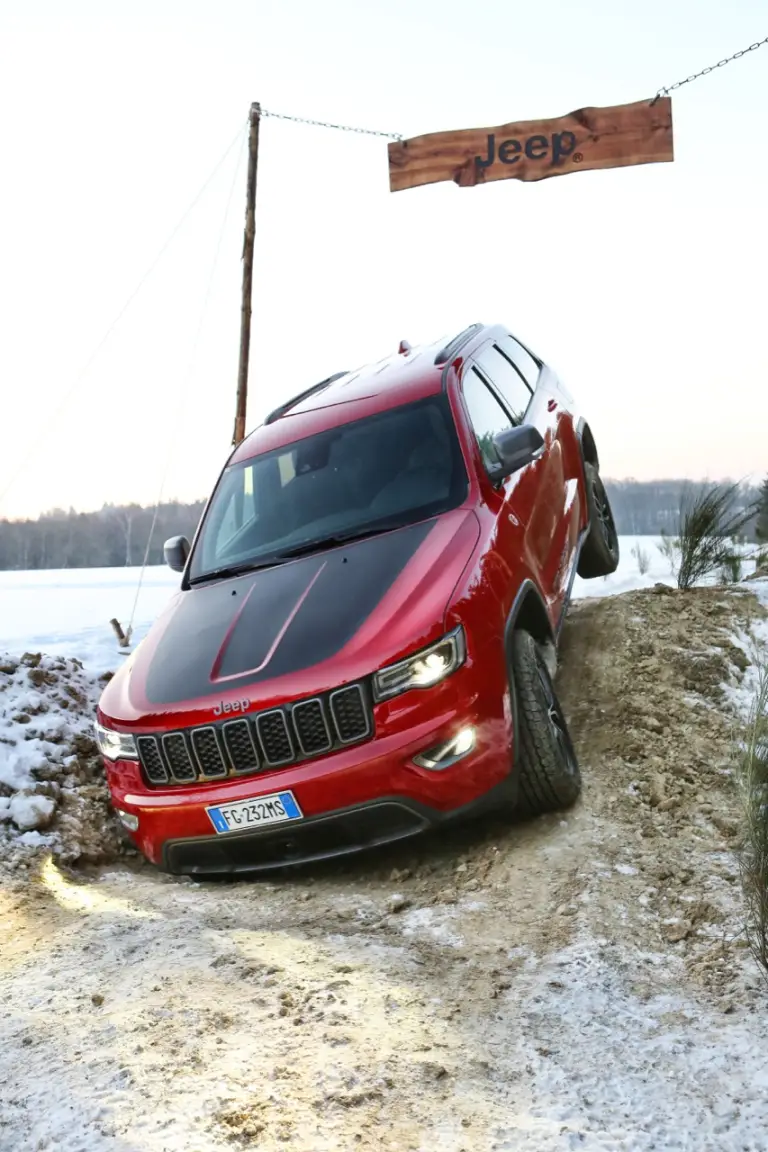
650	683
53	794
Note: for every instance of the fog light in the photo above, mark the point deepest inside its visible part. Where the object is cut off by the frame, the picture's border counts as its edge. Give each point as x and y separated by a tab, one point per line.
127	819
448	752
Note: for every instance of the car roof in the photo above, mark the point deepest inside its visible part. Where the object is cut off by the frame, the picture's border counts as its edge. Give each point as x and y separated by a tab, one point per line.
407	375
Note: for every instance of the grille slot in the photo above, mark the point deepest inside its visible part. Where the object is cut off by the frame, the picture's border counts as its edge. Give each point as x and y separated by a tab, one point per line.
275	738
311	727
240	746
350	714
208	753
178	757
151	759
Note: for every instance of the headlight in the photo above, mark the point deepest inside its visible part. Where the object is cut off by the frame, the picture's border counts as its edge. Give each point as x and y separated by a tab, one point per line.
424	669
115	745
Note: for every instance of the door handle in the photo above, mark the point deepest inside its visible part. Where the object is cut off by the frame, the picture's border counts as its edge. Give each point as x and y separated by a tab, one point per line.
551	405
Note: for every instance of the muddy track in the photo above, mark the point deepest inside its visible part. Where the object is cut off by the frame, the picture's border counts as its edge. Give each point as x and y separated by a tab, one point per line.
571	982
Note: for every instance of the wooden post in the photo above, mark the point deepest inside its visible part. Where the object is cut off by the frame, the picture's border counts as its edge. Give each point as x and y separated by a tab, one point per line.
245	314
122	639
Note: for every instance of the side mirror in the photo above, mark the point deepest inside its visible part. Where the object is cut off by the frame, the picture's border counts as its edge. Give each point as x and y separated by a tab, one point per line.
516	448
176	552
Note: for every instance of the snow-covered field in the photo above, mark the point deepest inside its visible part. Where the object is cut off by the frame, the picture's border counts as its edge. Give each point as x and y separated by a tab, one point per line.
67	613
573	982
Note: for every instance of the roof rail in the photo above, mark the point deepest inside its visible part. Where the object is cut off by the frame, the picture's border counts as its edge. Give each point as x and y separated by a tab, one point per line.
286	407
452	347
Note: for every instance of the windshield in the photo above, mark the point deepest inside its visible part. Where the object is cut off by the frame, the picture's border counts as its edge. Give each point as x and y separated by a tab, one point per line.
387	470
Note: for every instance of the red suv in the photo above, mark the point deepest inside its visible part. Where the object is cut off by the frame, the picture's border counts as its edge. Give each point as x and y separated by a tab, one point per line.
362	646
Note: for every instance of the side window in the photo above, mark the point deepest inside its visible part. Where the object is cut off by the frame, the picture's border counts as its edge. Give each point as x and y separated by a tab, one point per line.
529	369
486	415
508	381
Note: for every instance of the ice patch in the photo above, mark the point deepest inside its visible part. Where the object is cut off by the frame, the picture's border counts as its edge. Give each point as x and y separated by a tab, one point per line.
432	922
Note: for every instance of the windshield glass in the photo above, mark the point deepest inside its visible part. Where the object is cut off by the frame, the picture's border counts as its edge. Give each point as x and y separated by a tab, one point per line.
394	468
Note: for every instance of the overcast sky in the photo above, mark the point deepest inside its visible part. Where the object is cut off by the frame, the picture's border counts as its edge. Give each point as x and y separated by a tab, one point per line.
645	287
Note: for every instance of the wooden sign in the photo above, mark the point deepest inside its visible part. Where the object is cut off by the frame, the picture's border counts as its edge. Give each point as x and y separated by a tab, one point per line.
591	138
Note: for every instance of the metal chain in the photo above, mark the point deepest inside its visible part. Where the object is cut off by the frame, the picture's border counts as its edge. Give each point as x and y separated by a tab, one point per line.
706	71
338	127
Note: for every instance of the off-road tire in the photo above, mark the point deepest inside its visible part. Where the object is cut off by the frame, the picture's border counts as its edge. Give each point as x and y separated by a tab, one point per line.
600	553
549	776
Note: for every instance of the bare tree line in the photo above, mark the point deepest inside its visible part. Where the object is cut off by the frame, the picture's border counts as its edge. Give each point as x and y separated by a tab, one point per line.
652	507
112	537
117	535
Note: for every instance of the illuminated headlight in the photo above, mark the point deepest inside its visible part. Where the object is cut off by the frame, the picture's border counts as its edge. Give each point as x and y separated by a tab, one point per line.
445	754
115	745
424	669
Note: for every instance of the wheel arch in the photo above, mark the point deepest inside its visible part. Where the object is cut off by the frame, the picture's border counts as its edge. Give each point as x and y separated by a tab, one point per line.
588	446
527	614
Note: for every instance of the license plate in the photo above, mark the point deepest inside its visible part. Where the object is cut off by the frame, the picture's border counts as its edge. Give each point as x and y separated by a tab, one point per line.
255	813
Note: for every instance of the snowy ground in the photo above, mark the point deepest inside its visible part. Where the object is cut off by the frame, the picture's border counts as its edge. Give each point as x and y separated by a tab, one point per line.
574	982
67	613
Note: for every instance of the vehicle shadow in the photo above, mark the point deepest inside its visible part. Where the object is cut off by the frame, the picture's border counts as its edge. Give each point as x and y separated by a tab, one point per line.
436	851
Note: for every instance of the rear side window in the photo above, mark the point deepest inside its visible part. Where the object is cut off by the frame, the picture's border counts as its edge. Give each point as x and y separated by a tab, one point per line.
508	382
486	415
528	368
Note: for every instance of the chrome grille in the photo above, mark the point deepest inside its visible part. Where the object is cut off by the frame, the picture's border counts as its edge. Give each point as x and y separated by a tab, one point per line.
350	714
311	728
258	743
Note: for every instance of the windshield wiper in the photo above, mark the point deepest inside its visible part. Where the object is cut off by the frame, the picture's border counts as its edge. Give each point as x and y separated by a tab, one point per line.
302	549
235	570
339	538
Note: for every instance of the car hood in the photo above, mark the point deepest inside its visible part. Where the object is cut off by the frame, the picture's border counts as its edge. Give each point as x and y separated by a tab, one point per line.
302	627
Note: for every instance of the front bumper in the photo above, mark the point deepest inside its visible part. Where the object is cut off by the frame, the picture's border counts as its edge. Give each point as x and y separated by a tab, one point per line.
333	834
358	797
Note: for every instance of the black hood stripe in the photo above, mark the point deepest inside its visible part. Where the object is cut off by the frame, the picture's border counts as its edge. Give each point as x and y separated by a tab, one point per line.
271	623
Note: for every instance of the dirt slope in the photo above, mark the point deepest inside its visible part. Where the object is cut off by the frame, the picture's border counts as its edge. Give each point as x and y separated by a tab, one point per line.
573	982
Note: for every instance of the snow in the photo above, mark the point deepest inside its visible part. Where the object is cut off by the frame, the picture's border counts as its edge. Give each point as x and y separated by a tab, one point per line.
67	613
52	791
754	645
28	810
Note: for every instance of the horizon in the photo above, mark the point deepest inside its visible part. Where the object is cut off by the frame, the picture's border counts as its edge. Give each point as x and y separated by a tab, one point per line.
640	286
184	502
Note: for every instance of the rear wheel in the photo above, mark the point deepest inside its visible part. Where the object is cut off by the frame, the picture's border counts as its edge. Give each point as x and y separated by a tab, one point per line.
549	771
600	553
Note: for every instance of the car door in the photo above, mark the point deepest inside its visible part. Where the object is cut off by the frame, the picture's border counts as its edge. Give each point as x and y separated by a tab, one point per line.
507	559
551	415
540	493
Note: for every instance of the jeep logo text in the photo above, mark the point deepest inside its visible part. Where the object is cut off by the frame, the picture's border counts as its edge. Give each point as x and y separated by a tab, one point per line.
224	707
560	145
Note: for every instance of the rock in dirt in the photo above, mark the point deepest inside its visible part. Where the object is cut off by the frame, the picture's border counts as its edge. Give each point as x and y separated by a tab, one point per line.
398	903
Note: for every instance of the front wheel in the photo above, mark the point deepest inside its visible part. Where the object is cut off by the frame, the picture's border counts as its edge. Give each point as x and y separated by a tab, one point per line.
549	771
600	553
